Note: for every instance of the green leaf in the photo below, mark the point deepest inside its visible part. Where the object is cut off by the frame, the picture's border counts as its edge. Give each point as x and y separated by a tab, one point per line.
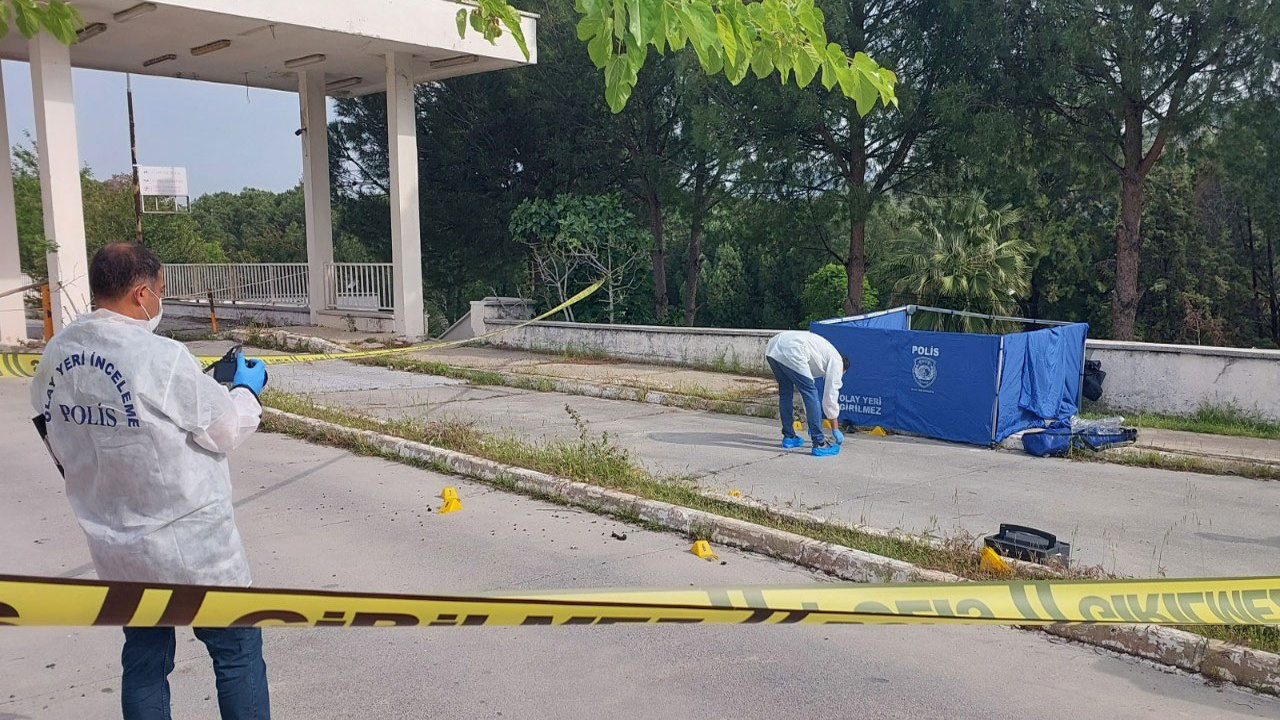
806	65
590	26
477	22
761	63
26	17
635	14
831	59
511	20
810	19
864	63
600	49
782	60
461	17
617	72
704	22
617	96
864	95
728	39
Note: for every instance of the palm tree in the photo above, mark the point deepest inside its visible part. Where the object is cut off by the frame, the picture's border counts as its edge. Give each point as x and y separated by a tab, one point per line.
960	254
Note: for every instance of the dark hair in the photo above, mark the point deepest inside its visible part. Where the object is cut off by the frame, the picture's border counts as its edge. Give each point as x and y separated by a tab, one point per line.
845	359
117	267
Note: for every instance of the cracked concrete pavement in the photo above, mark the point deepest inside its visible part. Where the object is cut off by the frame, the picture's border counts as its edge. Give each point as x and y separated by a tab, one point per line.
318	517
1135	521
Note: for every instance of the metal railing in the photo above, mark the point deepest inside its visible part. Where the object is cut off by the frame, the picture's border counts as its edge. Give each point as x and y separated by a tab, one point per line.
258	283
364	287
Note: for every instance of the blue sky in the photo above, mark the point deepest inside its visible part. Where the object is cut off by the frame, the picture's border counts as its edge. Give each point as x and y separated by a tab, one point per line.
227	139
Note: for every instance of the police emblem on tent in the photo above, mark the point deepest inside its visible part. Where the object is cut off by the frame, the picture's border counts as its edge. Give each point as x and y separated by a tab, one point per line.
925	371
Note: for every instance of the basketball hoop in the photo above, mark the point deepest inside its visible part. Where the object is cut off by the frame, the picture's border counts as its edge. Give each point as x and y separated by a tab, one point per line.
164	190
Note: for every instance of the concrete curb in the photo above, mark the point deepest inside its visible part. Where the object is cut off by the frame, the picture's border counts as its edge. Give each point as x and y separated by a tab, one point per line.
310	343
631	393
641	394
287	340
843	562
1213	659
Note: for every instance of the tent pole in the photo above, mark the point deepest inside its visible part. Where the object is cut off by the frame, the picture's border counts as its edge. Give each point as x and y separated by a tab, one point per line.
982	316
995	408
1084	357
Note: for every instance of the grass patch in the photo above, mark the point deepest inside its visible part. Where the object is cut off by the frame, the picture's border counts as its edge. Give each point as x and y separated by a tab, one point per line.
1180	463
597	459
600	461
1210	418
745	403
588	354
1258	637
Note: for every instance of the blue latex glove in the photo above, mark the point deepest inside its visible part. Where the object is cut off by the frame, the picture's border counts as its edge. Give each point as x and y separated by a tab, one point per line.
251	373
839	436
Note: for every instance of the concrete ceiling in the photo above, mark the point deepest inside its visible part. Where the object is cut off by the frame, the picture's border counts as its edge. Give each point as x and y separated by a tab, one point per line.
353	37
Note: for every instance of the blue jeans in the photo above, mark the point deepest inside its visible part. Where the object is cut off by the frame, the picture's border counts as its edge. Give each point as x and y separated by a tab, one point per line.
788	382
237	664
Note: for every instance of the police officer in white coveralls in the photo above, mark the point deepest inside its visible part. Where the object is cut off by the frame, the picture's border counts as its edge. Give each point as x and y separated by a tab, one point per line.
798	358
143	435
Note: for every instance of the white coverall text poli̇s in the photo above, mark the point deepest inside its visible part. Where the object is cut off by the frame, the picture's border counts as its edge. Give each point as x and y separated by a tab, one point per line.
142	434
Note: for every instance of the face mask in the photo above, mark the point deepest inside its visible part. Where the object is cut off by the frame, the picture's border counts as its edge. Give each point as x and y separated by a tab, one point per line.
154	322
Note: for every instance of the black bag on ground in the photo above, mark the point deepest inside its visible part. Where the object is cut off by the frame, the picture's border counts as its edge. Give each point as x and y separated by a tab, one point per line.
1093	378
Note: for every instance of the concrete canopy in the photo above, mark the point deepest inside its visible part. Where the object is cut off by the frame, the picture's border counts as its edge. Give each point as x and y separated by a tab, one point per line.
316	48
262	36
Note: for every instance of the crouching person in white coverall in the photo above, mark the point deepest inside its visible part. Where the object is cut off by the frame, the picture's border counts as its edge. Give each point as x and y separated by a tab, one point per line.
798	358
142	436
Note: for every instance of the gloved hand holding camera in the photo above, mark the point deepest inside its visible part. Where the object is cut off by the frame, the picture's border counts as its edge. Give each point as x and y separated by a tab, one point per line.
251	374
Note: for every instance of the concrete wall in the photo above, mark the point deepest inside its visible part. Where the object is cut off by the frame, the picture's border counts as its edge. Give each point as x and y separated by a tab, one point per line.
282	315
271	315
1141	377
717	348
1178	379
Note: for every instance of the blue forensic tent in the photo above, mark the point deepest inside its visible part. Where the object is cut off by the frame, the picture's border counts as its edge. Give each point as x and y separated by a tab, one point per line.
966	387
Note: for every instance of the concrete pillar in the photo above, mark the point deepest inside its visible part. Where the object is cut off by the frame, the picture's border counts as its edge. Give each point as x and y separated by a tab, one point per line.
13	324
315	187
406	233
59	178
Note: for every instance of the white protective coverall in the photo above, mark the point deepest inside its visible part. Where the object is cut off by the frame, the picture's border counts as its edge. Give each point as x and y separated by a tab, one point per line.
811	356
142	435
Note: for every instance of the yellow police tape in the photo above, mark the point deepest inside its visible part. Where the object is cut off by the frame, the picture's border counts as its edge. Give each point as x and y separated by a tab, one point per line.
32	601
24	364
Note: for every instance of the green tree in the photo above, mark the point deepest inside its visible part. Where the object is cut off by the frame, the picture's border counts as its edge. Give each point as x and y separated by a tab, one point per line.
574	238
728	36
959	253
1129	76
939	49
254	225
825	292
725	281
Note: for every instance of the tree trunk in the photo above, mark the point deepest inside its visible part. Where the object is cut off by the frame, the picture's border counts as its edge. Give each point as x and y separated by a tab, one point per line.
855	267
1124	310
609	264
855	264
1247	231
694	265
659	254
1273	302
